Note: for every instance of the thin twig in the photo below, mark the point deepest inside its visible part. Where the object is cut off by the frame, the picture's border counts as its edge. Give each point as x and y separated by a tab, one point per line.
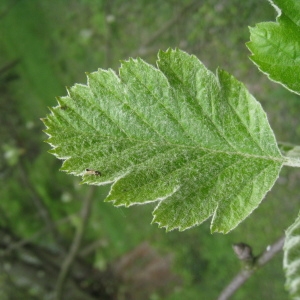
74	249
4	218
6	67
40	205
241	277
23	242
92	247
30	261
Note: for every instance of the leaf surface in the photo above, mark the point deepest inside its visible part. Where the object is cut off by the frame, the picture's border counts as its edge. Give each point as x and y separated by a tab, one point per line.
275	46
197	144
291	259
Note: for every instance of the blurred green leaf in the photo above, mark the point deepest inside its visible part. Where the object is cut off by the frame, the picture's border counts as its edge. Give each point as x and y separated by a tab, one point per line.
275	47
291	260
198	144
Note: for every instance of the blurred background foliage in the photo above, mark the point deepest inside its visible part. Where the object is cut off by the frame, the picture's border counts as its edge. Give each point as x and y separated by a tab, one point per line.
47	45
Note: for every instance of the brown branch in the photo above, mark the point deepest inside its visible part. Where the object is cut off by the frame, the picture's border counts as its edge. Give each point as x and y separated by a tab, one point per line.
242	277
74	249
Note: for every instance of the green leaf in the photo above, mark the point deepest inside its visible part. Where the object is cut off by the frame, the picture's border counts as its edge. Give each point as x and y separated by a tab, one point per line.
291	259
197	144
275	47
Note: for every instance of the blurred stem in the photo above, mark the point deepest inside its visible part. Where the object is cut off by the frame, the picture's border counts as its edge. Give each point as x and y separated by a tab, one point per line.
24	242
26	264
41	207
74	249
6	67
93	247
4	219
292	162
243	275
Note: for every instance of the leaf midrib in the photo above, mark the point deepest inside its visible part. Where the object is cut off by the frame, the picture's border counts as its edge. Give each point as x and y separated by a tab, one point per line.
280	159
203	148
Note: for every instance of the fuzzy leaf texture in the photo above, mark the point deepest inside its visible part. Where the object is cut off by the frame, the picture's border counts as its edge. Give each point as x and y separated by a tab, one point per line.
197	144
275	47
291	259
